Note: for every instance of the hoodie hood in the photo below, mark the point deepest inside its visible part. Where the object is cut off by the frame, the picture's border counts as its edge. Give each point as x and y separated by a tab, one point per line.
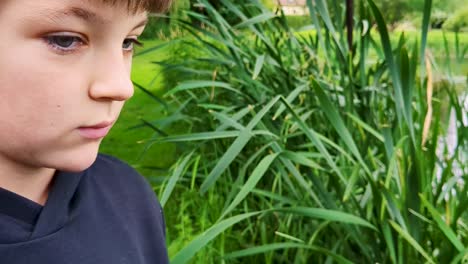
22	220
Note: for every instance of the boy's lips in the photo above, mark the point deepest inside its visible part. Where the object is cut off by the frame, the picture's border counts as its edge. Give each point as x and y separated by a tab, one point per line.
95	131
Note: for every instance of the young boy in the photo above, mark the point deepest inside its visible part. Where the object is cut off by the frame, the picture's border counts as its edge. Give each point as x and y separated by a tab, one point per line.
64	77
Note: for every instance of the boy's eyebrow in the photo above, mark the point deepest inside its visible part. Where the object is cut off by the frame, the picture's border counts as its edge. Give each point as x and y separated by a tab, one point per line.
77	12
86	15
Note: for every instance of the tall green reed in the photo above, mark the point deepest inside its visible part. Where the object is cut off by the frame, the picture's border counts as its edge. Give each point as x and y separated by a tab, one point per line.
318	154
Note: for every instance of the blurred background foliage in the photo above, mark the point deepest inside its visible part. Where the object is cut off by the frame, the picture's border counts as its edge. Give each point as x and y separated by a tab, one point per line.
397	13
284	139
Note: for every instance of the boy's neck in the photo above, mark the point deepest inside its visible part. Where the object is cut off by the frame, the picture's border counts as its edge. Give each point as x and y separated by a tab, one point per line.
31	183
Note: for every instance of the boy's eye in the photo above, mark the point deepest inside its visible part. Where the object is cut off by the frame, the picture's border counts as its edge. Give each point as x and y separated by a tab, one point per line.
64	43
70	43
128	44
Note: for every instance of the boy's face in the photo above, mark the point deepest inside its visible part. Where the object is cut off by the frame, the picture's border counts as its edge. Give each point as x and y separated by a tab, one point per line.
64	77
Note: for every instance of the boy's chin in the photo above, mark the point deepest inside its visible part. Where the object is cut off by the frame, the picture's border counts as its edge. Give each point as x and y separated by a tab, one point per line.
75	162
79	165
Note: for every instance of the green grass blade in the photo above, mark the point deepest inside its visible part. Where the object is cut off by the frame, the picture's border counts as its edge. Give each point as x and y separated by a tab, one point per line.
300	178
241	175
290	98
388	142
425	28
315	20
389	241
280	246
263	249
321	8
156	48
310	133
235	117
274	196
150	94
234	9
252	181
366	127
392	208
254	20
449	185
227	121
411	241
235	148
258	66
262	113
174	179
351	184
289	237
185	254
332	144
199	136
442	225
406	88
189	85
301	159
223	163
461	257
387	47
326	214
337	122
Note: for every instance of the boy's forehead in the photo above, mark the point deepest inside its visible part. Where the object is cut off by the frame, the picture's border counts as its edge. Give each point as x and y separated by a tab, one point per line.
95	11
130	6
154	6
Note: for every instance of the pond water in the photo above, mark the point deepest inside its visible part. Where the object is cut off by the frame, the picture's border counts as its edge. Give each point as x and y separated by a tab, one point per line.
448	142
457	68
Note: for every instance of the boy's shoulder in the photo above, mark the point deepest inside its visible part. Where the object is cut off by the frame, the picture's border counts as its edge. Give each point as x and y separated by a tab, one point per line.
122	185
111	169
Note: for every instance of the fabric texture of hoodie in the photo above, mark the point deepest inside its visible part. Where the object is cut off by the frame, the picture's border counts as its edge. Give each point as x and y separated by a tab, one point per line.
105	214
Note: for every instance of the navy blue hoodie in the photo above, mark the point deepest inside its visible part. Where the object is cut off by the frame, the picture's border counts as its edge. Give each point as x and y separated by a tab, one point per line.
107	214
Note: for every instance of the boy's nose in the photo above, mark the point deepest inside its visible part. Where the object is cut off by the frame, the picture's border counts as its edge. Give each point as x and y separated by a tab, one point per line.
112	79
